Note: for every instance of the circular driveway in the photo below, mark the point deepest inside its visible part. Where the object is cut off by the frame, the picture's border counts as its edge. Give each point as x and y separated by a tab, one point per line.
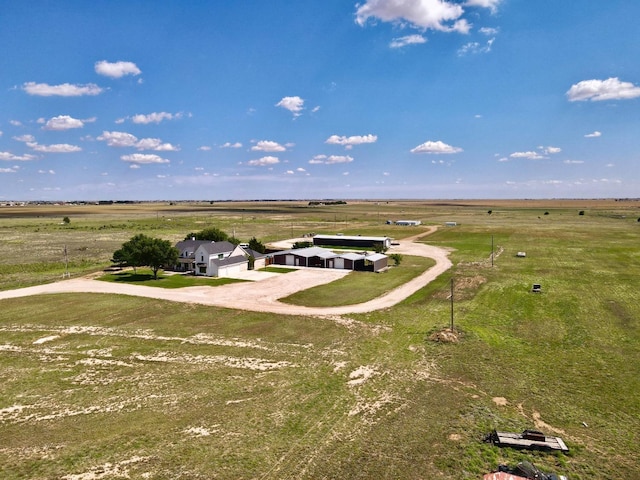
263	293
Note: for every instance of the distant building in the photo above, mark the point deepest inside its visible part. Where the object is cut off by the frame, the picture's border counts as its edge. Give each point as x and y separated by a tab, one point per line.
408	223
348	241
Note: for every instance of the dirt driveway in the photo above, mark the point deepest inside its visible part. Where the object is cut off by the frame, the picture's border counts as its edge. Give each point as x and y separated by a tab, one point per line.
262	295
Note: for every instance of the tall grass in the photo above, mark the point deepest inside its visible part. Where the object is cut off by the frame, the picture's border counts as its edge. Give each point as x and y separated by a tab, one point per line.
167	390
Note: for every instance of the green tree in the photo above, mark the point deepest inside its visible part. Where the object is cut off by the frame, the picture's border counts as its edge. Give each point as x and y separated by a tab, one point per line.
396	257
66	220
379	247
142	250
257	245
212	234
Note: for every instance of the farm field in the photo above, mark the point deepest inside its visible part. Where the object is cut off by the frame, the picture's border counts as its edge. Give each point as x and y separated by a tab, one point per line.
112	386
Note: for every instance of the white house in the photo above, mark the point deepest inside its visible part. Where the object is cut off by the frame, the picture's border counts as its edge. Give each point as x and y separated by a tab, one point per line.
219	259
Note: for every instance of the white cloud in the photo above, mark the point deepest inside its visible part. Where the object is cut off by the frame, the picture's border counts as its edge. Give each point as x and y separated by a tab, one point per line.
55	148
300	169
574	162
124	139
331	159
264	161
268	146
294	104
143	159
435	148
156	117
593	135
116	69
156	144
10	157
204	148
542	154
15	123
50	172
550	150
1	133
527	155
407	40
118	139
488	31
475	47
64	90
599	90
63	122
351	141
490	4
231	145
10	169
439	15
25	138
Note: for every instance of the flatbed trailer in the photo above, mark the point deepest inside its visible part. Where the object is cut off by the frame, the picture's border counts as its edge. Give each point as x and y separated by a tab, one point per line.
529	439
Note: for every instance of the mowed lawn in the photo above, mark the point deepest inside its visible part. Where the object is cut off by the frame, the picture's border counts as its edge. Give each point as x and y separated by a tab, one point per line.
359	287
109	386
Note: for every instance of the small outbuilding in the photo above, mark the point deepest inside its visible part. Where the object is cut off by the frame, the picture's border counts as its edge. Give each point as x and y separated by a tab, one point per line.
317	257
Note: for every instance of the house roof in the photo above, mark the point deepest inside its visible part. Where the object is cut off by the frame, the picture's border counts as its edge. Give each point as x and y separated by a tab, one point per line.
253	253
188	247
235	260
213	248
374	257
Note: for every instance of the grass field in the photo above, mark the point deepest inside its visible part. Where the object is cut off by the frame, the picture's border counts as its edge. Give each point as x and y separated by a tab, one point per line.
105	386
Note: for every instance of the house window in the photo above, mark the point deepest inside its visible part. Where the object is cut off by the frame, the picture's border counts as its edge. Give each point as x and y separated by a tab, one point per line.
203	269
220	256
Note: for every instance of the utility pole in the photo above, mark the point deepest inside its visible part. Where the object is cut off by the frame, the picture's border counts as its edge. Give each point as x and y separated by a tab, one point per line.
491	250
66	264
451	304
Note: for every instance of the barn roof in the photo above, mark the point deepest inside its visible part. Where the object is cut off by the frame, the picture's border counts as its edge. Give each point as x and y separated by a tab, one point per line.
351	237
309	252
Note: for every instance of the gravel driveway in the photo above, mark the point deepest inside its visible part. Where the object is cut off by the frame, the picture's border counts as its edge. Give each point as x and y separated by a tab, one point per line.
262	295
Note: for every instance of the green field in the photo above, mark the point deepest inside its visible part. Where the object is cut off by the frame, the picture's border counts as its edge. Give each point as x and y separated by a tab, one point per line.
108	386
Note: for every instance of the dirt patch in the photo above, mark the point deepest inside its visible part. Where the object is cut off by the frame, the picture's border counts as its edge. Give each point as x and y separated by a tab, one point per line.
500	401
107	470
361	375
445	336
463	288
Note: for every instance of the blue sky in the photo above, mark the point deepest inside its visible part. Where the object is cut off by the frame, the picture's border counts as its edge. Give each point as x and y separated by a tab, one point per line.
281	99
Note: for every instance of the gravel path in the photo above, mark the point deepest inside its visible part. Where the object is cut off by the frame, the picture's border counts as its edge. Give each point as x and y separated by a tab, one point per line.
262	295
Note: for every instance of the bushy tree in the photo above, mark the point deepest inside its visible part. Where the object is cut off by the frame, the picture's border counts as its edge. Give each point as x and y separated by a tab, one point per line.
257	245
212	234
396	257
142	250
